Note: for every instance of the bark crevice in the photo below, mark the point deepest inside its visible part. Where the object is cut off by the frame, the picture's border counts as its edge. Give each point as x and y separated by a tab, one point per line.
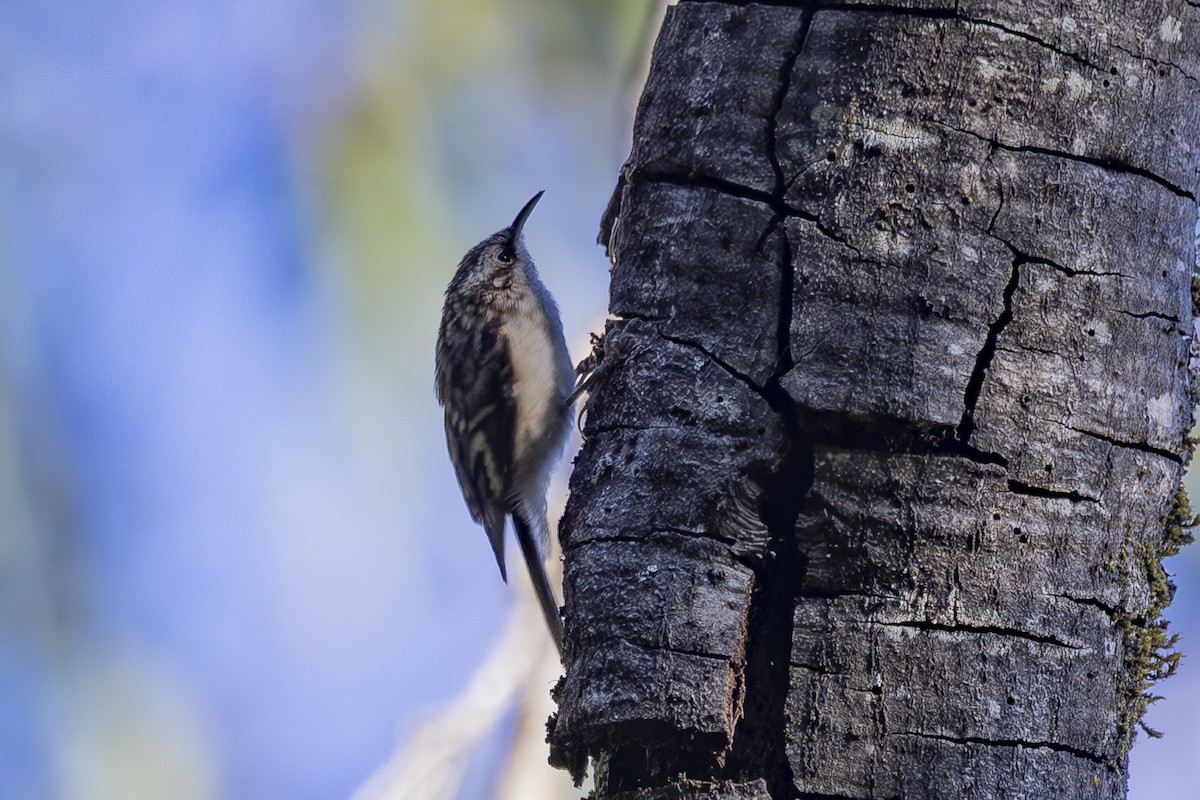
759	746
982	361
1109	609
1110	164
1157	63
995	630
1030	258
1029	37
733	371
1143	447
1019	487
1148	315
774	199
985	742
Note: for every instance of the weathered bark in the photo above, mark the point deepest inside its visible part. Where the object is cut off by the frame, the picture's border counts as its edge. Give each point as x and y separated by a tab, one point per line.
883	457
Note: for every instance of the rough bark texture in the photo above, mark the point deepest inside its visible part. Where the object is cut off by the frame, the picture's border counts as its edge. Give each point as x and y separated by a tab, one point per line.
883	456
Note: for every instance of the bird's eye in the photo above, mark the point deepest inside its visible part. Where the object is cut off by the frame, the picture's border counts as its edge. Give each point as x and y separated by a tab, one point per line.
504	257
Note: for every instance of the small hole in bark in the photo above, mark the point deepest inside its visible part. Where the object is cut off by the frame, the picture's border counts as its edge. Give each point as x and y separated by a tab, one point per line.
1113	70
1106	83
876	690
831	156
1048	468
851	736
1091	331
720	399
910	188
972	102
1012	702
996	515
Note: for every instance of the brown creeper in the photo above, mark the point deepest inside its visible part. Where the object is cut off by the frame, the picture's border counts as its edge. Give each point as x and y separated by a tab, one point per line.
504	377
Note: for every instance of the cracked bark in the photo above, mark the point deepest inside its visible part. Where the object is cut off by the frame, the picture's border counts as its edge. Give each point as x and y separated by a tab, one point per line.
871	494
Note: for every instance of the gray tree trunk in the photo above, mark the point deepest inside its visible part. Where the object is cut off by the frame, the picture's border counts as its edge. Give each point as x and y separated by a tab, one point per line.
883	456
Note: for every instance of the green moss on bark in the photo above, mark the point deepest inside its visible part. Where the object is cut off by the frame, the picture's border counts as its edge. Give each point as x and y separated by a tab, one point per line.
1151	653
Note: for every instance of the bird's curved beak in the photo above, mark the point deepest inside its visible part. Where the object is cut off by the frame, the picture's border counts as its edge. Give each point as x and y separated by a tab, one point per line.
514	230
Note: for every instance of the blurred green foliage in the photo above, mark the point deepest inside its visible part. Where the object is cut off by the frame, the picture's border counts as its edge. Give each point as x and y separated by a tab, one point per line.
389	196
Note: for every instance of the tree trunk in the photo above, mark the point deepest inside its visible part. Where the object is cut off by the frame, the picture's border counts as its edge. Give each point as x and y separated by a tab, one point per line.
883	453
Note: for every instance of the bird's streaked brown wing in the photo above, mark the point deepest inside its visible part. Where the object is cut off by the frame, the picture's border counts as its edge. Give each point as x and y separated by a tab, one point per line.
480	419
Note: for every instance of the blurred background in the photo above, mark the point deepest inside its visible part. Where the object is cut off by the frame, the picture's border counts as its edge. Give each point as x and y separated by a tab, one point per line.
234	561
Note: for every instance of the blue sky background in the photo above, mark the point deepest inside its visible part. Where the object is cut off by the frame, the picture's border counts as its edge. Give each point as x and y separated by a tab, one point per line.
235	563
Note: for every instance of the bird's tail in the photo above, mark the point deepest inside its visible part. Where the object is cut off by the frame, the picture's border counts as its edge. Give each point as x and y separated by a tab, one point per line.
528	539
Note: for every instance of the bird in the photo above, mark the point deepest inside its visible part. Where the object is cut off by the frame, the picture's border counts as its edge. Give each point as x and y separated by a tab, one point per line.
504	378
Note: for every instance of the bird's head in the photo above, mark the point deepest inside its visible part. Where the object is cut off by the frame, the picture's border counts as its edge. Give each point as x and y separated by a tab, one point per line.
499	260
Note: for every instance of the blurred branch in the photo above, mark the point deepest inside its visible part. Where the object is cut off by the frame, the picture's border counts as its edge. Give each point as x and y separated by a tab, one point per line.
431	763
